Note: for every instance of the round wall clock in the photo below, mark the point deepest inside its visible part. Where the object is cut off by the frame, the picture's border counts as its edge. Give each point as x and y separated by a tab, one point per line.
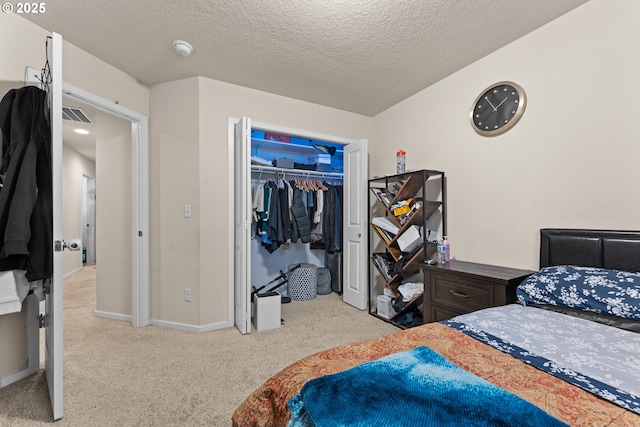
498	108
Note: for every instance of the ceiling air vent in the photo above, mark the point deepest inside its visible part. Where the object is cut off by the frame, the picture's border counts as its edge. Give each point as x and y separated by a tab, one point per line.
75	115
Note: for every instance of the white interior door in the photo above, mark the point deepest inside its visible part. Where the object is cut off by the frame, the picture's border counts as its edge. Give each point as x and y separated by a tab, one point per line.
354	269
242	225
53	299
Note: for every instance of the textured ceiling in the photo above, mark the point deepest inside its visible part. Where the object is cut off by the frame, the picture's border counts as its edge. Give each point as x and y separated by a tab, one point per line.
356	55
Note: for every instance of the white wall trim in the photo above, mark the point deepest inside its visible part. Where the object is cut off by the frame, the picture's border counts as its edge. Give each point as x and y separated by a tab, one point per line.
191	328
231	192
139	196
71	273
17	376
114	316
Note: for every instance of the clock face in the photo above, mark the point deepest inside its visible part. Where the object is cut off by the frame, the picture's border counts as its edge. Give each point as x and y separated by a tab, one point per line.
498	108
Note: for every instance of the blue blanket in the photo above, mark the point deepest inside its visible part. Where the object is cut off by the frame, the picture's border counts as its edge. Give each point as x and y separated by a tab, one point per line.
414	388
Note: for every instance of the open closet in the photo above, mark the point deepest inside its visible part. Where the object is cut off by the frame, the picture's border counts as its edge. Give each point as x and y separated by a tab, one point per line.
297	197
300	199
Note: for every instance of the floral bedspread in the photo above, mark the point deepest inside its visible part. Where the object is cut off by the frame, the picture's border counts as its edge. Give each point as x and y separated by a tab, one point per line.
267	405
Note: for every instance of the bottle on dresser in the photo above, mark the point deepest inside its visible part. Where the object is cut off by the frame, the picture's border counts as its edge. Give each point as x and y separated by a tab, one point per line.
441	255
447	249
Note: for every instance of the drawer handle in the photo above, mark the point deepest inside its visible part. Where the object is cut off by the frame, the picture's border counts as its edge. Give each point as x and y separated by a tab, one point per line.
458	294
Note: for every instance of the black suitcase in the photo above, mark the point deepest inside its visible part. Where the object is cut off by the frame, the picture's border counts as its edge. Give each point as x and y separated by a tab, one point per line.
333	261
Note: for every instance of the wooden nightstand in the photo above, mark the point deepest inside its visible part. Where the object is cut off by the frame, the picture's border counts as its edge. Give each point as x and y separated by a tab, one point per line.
460	287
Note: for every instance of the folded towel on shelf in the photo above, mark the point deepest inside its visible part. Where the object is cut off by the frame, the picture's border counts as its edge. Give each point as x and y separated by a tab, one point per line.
410	290
255	160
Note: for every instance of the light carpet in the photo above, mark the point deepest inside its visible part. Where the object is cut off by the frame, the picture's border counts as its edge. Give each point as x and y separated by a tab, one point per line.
118	375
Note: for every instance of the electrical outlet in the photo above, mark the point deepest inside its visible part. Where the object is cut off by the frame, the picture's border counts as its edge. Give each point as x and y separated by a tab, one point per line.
187	211
187	294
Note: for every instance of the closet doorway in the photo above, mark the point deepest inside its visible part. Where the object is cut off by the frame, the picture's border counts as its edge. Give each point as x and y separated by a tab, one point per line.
354	216
138	239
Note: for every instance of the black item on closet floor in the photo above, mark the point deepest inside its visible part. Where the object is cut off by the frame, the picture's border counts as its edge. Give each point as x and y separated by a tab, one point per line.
333	261
324	281
282	279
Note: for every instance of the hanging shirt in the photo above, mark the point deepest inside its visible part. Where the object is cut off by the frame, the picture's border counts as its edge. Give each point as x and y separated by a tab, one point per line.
258	201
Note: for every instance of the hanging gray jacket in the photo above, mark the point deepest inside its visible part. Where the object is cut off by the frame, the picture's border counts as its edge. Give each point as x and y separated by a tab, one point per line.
301	224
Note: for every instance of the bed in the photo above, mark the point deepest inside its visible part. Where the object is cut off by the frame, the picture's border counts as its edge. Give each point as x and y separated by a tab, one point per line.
582	370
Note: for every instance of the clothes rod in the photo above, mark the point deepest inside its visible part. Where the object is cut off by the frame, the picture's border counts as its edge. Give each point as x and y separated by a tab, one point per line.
298	172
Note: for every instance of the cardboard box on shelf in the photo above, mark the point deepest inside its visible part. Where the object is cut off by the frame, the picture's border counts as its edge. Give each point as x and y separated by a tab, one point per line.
410	239
283	163
320	158
276	137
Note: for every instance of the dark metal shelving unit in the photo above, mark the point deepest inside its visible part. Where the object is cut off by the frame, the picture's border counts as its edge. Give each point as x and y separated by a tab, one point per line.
415	184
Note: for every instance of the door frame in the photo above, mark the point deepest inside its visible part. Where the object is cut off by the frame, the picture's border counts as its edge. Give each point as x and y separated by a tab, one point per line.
231	191
139	196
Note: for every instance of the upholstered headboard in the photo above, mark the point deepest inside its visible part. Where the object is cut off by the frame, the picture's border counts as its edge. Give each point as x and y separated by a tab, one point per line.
618	250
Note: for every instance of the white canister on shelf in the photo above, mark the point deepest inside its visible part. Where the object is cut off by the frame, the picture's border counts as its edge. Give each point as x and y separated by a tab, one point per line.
400	161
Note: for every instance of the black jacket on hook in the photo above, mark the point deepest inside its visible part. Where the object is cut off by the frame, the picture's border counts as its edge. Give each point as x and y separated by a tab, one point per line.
26	213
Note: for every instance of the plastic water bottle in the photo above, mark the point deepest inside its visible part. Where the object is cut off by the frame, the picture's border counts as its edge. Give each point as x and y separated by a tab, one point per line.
400	161
447	249
441	255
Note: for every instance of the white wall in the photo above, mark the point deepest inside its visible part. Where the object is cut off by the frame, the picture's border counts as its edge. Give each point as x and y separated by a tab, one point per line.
74	166
572	159
15	56
174	182
189	129
113	215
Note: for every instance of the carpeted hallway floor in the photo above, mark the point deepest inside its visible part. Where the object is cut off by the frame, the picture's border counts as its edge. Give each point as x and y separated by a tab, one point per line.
117	375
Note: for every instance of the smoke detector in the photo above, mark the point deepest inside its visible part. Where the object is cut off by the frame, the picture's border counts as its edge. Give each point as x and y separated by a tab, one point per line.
182	47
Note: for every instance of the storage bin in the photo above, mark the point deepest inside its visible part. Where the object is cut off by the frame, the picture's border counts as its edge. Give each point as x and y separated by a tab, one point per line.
319	158
283	163
267	311
299	141
303	282
259	134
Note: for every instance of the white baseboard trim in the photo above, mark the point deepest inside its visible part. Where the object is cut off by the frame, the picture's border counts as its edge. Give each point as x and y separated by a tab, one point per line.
71	273
115	316
215	326
17	376
190	328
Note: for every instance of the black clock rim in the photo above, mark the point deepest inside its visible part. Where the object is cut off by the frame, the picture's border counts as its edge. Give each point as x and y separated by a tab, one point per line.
521	107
